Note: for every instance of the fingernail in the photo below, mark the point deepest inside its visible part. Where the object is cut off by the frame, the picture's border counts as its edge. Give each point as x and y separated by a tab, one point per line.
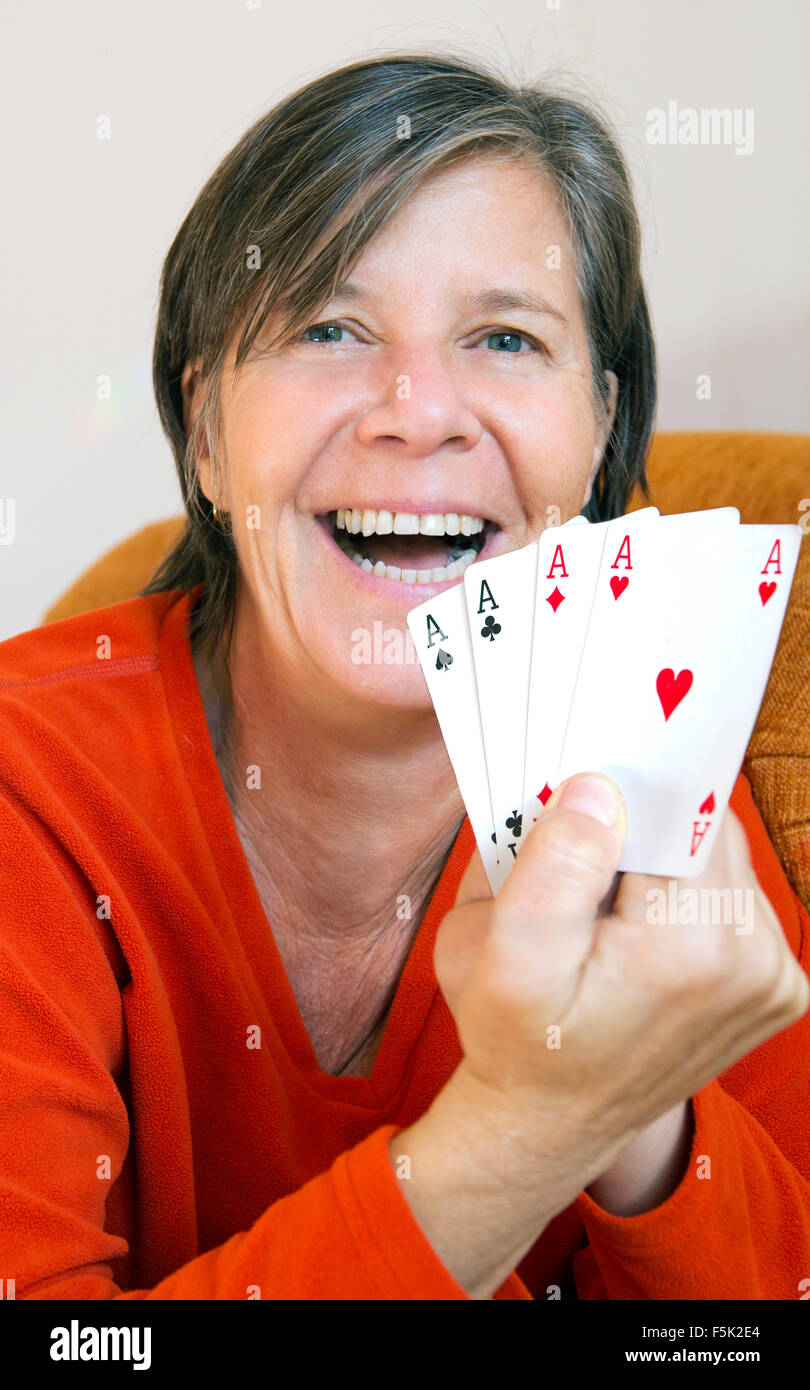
594	796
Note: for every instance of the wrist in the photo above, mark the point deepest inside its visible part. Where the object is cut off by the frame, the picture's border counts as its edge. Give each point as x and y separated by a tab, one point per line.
471	1132
650	1168
478	1198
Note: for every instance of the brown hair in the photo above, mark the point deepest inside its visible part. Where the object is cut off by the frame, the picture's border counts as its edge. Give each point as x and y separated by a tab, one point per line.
326	167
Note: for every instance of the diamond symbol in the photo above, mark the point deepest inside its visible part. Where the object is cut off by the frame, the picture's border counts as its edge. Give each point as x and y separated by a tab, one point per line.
544	794
555	599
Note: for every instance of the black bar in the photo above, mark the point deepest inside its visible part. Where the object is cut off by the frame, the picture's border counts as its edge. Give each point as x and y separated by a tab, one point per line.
231	1339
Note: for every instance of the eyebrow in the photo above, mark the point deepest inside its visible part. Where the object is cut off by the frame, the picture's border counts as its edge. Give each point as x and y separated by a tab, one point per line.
494	301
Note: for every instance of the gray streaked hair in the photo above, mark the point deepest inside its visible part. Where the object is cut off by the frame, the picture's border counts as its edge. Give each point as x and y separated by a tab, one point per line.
321	172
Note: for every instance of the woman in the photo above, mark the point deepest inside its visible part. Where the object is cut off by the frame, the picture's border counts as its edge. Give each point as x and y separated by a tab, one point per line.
411	291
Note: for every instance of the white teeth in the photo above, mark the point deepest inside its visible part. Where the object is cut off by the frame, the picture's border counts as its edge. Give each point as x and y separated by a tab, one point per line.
356	520
438	575
366	520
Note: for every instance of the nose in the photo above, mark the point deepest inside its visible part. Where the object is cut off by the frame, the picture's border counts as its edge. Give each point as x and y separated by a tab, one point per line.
420	410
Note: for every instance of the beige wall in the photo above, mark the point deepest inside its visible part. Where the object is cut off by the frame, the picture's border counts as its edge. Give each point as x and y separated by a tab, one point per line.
726	232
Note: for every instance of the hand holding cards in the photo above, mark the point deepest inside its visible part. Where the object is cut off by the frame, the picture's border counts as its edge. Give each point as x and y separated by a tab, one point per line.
639	648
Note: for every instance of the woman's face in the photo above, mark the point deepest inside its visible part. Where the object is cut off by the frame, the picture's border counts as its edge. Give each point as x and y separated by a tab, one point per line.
432	394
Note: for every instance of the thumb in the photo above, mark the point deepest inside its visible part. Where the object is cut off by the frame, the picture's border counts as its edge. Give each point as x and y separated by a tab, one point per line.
566	868
474	884
548	905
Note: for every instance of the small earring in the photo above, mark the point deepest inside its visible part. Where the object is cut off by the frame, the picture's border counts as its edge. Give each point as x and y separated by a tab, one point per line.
216	514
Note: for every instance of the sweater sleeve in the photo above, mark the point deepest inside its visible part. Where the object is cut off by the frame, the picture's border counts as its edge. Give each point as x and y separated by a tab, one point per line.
348	1233
738	1224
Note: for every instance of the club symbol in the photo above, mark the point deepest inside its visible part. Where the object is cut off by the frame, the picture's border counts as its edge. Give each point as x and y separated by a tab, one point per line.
490	628
515	824
443	660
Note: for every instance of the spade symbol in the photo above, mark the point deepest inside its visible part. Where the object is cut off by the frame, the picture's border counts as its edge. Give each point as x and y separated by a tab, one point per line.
490	628
443	660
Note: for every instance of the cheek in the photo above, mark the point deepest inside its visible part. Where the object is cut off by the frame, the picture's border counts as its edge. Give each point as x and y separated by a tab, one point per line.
270	441
554	441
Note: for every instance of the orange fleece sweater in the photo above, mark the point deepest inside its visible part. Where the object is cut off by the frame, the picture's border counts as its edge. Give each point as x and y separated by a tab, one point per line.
165	1129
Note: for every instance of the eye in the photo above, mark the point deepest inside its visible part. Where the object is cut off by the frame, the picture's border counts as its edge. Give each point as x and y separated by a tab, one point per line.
507	340
327	332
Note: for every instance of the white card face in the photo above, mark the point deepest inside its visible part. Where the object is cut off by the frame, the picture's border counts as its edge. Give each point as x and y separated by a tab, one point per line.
567	565
680	643
566	587
500	596
441	637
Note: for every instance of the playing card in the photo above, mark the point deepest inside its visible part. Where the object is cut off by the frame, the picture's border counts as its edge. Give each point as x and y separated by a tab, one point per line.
682	634
442	640
566	585
500	598
567	565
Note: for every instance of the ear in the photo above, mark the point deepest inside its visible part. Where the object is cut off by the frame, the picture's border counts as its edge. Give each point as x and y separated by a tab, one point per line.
192	392
604	426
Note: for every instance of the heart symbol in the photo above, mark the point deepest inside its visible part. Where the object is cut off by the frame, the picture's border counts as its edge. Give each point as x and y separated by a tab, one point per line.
767	591
671	688
618	585
708	805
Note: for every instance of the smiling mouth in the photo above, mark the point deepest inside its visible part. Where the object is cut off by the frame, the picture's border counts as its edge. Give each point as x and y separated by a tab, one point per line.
414	548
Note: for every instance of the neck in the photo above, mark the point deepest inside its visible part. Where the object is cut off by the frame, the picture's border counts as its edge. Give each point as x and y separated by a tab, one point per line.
347	815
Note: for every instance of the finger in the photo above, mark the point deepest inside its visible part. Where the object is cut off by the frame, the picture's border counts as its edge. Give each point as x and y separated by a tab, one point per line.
728	866
474	883
733	868
459	939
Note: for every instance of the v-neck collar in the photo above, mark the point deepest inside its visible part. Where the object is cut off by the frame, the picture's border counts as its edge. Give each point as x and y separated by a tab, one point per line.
417	985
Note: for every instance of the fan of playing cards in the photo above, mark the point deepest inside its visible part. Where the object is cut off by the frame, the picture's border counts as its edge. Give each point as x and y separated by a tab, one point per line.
638	647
